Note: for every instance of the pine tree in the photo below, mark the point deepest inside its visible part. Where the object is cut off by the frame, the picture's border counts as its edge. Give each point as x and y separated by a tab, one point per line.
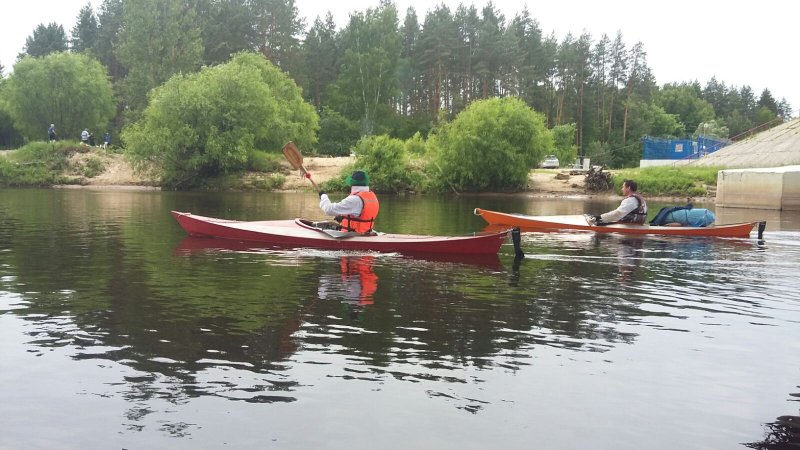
85	32
45	40
321	53
278	28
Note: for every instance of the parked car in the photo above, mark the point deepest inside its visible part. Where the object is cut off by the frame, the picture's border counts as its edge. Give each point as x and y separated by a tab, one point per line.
550	162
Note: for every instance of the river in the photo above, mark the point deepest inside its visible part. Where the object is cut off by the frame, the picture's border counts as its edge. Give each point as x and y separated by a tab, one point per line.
118	331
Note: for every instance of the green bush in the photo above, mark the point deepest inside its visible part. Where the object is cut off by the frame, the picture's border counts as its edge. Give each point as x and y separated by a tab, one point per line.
10	137
564	143
338	184
269	183
259	161
387	163
337	134
206	124
405	127
93	167
492	144
599	153
415	145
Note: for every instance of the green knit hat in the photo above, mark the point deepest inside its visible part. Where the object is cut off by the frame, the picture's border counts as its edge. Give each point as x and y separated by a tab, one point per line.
358	178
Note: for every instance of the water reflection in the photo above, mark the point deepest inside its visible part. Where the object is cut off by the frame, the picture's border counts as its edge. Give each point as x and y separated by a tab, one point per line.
782	433
355	286
156	335
628	258
192	244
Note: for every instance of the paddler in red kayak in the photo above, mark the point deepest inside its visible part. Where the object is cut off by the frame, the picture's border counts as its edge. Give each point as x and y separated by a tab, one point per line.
632	209
358	211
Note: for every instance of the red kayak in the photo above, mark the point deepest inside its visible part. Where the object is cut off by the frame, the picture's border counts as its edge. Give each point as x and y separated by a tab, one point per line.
305	233
580	223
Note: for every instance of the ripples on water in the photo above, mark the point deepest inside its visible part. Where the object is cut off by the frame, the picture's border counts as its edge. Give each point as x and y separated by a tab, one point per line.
591	340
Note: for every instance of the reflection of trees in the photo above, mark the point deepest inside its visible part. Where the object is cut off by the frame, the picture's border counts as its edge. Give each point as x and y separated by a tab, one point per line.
783	433
109	289
247	305
468	316
113	289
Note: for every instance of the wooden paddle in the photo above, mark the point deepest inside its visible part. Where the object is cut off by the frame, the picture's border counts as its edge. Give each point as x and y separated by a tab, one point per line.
295	158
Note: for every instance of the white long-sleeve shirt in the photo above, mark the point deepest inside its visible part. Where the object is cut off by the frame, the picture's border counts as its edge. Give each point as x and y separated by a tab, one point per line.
350	205
627	205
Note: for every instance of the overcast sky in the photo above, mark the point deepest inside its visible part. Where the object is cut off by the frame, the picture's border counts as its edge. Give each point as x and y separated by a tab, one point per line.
741	43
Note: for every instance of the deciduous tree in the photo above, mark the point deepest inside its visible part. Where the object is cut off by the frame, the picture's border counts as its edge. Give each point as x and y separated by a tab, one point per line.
71	90
683	101
367	84
158	39
490	145
206	123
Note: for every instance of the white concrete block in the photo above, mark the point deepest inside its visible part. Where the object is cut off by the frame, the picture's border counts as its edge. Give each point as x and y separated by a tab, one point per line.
769	188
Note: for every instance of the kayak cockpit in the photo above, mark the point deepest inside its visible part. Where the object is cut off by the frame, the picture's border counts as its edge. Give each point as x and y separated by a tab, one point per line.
331	228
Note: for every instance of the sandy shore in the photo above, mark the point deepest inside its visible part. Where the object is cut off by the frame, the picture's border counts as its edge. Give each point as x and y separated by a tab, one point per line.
542	183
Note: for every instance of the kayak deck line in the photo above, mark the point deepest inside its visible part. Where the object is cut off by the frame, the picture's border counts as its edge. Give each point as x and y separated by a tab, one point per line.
581	223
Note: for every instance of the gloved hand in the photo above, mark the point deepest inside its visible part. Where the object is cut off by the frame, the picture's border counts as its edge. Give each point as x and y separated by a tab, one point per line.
598	221
338	218
321	193
307	175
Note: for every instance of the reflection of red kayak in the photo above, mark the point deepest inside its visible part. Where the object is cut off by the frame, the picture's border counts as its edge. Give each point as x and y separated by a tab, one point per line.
191	245
578	222
304	233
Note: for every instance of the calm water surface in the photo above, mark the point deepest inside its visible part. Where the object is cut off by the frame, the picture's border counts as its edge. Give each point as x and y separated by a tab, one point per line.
117	331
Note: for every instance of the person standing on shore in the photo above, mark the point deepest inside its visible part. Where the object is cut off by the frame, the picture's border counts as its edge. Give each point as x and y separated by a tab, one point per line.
85	136
632	209
51	133
106	140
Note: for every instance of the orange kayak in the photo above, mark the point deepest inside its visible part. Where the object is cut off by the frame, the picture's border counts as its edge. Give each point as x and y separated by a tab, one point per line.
581	223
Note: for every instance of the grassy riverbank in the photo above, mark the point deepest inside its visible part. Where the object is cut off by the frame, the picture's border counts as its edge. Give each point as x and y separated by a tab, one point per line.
42	164
670	181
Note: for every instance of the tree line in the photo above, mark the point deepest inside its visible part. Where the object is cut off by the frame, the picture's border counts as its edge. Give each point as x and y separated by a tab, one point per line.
383	74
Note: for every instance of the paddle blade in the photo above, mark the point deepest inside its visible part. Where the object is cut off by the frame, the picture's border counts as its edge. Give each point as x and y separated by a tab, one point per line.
292	154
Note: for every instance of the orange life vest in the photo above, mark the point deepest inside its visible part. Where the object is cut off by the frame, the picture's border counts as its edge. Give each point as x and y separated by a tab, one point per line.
369	211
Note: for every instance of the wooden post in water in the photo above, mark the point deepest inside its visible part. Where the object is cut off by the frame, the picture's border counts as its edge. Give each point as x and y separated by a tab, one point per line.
515	239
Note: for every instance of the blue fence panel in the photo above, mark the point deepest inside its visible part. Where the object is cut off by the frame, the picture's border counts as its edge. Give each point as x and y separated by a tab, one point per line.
655	148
